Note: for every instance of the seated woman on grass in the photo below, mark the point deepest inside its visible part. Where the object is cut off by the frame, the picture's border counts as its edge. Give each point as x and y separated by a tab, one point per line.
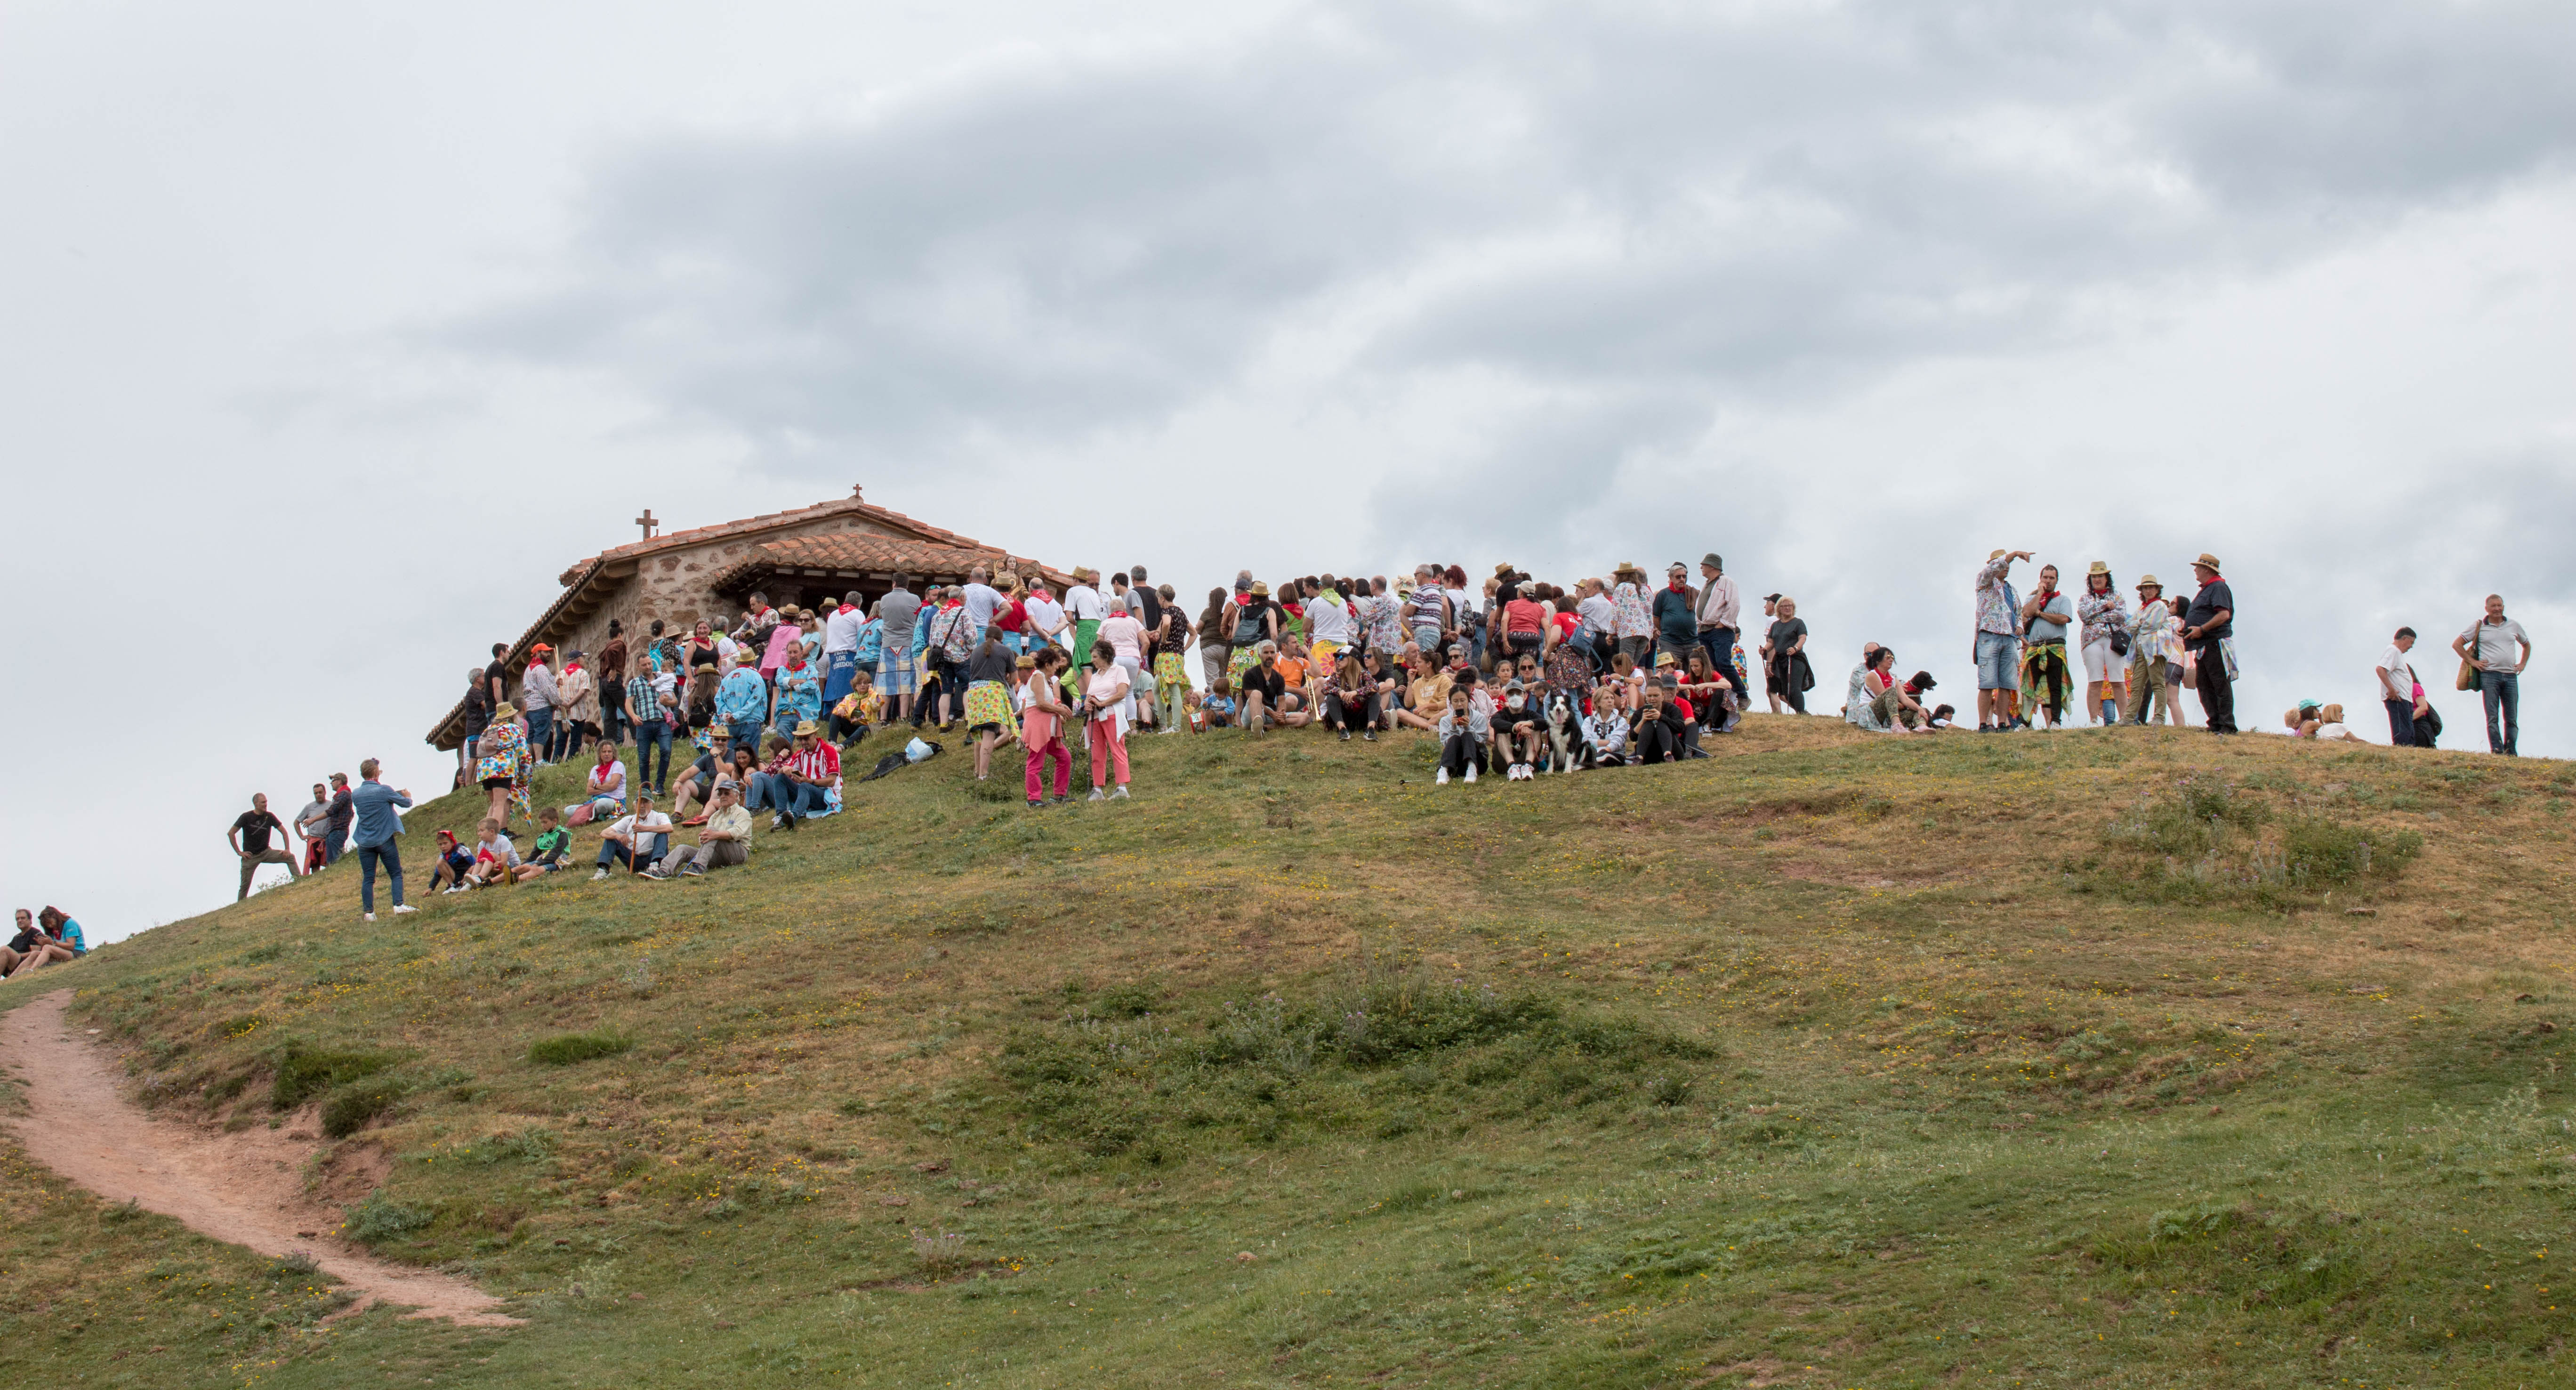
1712	699
604	794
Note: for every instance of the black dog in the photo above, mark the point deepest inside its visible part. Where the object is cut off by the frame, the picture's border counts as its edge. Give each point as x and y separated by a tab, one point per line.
1564	724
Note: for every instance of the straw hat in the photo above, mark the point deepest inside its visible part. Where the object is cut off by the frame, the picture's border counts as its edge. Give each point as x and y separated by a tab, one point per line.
1628	567
805	728
1990	559
1260	589
2149	581
2208	561
505	710
2100	567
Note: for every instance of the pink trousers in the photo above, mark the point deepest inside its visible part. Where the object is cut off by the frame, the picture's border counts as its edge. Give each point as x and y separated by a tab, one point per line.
1106	748
1039	754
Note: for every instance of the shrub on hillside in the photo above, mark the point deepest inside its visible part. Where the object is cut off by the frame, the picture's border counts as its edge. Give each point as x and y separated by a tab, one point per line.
351	1107
380	1218
2207	841
568	1048
303	1073
1379	1058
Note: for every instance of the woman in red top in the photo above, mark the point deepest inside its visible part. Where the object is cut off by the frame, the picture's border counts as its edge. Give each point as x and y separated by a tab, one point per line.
1525	622
1013	620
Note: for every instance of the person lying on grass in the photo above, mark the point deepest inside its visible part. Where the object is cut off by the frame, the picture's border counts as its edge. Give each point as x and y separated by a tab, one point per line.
725	840
634	841
552	841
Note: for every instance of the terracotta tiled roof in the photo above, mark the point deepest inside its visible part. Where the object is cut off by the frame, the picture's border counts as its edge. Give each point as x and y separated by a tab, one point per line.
925	549
849	553
699	535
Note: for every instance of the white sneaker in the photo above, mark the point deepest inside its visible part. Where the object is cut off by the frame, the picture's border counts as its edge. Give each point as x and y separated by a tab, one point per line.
1471	774
598	876
370	916
1097	795
1120	794
404	907
1440	778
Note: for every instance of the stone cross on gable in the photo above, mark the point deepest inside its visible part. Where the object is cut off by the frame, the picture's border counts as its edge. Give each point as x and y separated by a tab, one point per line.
647	522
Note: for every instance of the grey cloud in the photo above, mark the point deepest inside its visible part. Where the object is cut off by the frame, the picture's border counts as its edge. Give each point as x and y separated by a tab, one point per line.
1596	203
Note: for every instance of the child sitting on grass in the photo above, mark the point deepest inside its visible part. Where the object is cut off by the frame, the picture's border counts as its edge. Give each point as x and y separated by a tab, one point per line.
1463	732
1218	708
552	841
452	863
494	857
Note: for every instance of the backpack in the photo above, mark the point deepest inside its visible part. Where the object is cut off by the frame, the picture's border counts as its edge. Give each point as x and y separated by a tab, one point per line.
1248	627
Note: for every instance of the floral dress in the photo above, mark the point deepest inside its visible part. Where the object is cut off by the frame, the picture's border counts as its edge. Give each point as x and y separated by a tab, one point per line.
505	754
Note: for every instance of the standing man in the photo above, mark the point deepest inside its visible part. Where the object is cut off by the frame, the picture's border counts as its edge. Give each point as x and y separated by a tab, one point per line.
309	823
335	831
983	601
2499	671
2207	625
478	717
612	685
1676	614
539	685
1152	616
841	648
1084	608
1718	629
377	826
2047	678
1998	640
742	701
2397	688
249	839
497	675
897	678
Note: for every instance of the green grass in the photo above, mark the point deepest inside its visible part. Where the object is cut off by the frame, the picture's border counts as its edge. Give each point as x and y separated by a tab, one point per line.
1838	1061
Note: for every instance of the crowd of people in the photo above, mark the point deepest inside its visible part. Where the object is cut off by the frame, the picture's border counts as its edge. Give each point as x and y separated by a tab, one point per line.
1510	676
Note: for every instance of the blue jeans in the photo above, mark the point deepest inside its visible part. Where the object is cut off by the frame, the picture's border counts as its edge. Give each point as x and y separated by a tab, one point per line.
772	791
541	734
1998	661
2401	723
368	855
2502	688
648	734
650	850
746	734
332	848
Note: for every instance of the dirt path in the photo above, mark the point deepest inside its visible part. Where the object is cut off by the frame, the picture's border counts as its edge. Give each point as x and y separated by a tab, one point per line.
244	1188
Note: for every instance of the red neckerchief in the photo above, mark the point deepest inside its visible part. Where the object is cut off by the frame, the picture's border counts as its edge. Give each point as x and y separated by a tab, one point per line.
2213	579
2046	598
1679	587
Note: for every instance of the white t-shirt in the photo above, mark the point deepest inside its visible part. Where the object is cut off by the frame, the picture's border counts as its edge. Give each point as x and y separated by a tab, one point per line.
608	781
1328	620
2395	677
1044	615
841	630
1084	602
634	828
982	602
500	848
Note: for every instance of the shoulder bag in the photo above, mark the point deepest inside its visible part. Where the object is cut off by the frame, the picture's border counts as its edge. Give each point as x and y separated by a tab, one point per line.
2469	672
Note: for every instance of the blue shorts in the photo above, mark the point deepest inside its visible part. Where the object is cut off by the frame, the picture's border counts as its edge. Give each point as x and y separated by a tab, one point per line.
1998	661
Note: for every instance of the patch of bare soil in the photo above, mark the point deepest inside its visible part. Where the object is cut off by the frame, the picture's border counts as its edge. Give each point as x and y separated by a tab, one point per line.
246	1189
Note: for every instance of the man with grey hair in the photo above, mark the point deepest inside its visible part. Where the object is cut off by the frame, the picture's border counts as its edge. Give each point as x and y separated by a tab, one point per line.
2489	645
725	839
1718	604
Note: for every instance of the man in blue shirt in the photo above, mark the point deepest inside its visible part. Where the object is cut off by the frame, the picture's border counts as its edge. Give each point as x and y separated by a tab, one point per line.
742	703
1677	615
374	804
2207	626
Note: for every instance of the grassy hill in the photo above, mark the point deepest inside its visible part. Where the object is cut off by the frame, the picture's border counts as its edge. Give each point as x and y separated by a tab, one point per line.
2122	1058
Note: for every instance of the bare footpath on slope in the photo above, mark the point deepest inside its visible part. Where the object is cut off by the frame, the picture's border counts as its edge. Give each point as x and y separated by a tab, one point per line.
243	1189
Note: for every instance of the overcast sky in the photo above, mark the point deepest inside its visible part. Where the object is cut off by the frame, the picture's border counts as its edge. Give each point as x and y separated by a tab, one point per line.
334	332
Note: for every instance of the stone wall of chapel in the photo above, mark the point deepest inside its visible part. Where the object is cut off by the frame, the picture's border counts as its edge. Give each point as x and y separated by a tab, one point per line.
674	585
